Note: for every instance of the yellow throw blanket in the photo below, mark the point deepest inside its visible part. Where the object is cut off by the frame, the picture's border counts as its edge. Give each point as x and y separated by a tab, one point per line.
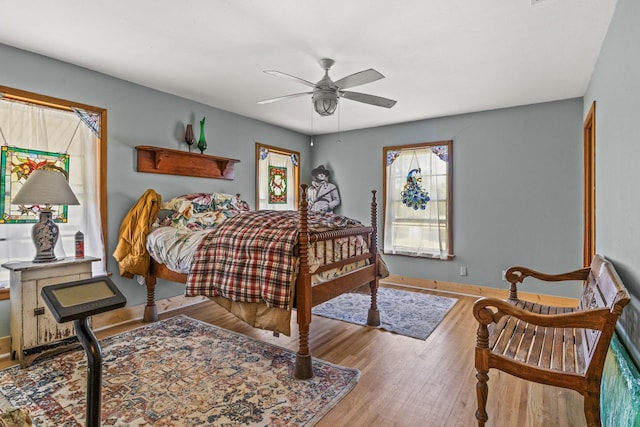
131	252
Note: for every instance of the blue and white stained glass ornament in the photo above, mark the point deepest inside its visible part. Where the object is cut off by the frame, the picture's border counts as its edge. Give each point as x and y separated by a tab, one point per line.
391	156
92	120
442	152
413	195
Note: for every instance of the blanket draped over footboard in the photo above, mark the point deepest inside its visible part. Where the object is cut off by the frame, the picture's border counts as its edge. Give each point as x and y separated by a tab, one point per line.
249	257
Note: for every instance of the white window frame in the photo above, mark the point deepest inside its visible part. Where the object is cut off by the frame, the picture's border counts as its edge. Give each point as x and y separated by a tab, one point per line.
428	232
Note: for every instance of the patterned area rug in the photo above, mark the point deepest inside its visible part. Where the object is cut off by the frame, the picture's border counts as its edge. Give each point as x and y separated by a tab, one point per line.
407	313
180	372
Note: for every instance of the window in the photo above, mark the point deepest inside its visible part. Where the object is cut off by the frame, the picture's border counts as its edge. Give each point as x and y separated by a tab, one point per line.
417	200
32	123
277	178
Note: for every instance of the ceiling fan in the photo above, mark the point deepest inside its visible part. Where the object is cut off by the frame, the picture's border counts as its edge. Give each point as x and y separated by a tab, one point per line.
326	92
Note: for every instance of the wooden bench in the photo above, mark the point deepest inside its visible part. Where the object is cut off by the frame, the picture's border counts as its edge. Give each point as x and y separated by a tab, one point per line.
558	346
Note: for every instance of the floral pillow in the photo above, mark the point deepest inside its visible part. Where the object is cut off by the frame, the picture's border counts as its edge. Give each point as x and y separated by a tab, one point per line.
199	220
228	201
200	211
189	204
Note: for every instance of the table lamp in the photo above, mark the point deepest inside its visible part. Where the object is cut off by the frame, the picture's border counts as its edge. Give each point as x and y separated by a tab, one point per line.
45	187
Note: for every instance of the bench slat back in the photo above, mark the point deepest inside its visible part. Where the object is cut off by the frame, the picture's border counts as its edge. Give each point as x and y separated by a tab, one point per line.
603	288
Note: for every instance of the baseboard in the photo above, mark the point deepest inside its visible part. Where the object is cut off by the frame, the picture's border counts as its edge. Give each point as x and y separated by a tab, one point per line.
120	316
475	291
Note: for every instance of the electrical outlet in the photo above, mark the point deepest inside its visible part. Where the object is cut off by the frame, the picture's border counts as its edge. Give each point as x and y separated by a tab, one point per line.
463	270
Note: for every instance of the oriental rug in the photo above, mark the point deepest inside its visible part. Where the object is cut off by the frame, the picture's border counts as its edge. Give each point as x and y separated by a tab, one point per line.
407	313
180	372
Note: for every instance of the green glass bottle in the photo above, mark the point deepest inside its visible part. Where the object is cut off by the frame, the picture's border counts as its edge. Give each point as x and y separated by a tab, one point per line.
202	142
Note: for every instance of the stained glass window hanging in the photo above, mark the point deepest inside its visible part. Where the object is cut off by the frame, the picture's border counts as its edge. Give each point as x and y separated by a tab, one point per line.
15	166
413	195
277	184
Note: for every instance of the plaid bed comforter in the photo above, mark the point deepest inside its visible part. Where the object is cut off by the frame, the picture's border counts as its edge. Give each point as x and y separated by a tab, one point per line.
249	257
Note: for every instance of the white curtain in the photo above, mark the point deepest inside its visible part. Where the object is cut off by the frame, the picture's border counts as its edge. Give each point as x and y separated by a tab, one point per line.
48	129
416	232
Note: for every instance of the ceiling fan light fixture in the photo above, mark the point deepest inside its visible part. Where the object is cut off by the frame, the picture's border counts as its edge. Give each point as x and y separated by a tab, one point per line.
325	102
325	107
326	92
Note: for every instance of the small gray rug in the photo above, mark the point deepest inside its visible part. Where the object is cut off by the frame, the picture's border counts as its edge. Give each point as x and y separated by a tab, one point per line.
407	313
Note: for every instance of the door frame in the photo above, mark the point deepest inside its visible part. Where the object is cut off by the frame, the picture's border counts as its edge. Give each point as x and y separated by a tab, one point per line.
589	139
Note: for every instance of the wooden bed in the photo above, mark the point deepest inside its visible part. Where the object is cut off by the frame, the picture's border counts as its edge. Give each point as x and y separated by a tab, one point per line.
307	295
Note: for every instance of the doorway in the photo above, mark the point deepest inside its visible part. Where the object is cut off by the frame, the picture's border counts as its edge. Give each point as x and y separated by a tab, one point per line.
589	138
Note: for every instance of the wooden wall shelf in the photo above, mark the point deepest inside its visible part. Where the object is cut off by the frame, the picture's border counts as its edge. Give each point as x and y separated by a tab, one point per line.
175	162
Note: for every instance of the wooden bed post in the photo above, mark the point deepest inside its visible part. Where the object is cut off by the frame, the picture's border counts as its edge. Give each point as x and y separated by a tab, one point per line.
373	317
303	368
150	310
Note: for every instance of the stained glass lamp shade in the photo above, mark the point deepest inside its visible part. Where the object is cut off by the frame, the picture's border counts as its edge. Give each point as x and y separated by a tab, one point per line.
45	187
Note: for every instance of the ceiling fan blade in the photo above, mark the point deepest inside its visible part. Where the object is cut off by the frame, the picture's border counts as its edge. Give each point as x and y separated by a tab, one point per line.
290	77
360	78
368	99
281	98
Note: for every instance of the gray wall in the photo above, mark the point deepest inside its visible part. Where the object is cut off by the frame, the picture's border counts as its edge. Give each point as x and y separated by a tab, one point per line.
615	87
142	116
517	189
517	172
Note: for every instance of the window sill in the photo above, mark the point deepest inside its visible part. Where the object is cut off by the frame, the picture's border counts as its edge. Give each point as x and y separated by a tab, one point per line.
437	258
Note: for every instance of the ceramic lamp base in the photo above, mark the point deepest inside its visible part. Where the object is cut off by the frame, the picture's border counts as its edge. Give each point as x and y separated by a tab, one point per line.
45	235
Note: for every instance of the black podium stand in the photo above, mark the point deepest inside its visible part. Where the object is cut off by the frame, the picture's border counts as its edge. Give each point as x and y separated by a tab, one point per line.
77	301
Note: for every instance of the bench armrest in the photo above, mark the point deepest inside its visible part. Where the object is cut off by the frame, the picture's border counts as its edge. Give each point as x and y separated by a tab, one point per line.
589	319
515	275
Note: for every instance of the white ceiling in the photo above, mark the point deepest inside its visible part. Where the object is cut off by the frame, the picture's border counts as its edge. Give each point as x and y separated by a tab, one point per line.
440	57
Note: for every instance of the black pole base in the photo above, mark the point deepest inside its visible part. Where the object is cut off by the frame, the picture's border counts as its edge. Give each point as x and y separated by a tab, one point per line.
94	373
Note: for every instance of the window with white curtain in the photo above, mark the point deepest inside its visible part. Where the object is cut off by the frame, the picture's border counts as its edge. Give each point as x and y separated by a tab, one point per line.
277	178
48	127
417	200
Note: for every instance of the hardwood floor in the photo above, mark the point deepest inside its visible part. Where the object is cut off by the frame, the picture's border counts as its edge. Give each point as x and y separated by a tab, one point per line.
409	382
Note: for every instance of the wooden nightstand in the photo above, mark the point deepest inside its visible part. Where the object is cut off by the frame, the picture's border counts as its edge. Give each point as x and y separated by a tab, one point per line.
34	331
